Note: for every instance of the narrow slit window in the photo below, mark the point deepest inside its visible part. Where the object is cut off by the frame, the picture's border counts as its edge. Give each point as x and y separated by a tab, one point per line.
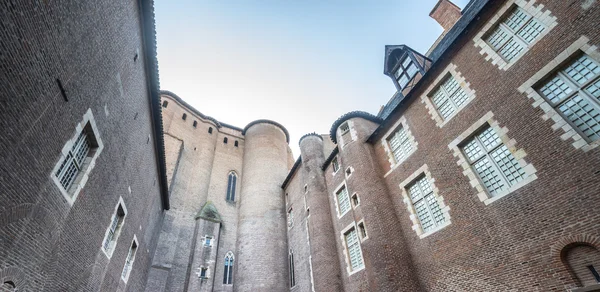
184	116
203	273
362	230
208	241
114	230
231	185
129	260
165	104
210	130
228	271
195	124
355	200
292	270
236	144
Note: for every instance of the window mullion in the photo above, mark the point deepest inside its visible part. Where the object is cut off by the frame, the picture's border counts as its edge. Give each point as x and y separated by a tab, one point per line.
449	96
509	33
495	164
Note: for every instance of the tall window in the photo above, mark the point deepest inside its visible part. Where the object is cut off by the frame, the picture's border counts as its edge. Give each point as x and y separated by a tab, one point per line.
292	272
290	218
73	163
425	204
354	251
400	145
129	260
448	97
492	161
231	183
343	200
514	34
336	164
114	229
184	116
405	72
228	272
574	92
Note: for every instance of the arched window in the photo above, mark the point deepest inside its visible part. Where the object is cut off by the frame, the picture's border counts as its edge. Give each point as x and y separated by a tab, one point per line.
292	273
8	286
584	262
228	272
231	183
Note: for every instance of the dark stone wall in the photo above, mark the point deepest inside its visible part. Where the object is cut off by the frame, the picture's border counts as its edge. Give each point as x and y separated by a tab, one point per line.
45	243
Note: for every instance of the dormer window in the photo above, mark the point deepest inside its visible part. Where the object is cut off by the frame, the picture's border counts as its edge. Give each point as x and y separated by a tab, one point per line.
405	72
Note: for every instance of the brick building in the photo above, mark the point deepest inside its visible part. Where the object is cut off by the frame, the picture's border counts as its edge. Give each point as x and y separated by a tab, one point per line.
480	174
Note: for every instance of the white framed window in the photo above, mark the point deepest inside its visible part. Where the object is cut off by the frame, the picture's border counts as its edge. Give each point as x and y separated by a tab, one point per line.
491	161
129	260
425	204
114	229
208	241
335	164
292	268
428	212
228	269
447	95
353	250
567	90
516	27
78	158
290	218
231	185
574	92
343	200
400	144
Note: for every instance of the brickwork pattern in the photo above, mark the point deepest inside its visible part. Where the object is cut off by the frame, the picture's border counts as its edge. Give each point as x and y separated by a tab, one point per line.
47	244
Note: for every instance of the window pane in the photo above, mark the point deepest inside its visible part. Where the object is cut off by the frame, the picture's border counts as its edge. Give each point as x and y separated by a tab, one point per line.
516	19
511	49
400	145
531	31
412	70
489	138
594	89
343	200
406	62
472	150
582	69
490	177
442	103
402	81
497	38
556	89
508	165
582	115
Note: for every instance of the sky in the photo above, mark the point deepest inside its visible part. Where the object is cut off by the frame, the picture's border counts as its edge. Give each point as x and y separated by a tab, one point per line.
300	63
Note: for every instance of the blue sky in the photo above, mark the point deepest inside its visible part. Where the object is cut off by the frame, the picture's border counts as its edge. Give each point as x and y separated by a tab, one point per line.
300	63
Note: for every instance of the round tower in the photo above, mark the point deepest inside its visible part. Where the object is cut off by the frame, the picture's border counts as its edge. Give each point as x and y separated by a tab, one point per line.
386	257
325	263
261	260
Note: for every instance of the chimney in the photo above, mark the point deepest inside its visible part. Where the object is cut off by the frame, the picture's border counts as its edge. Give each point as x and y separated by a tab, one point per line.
446	14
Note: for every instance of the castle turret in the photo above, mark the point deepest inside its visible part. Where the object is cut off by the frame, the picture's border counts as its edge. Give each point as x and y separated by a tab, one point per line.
324	257
261	242
385	258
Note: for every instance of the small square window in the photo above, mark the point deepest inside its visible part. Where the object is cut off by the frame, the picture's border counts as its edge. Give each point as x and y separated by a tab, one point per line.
203	273
225	140
344	128
210	130
348	171
208	241
165	104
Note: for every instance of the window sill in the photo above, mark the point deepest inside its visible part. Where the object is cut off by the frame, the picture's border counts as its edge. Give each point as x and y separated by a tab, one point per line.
394	166
432	231
591	288
519	185
356	271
